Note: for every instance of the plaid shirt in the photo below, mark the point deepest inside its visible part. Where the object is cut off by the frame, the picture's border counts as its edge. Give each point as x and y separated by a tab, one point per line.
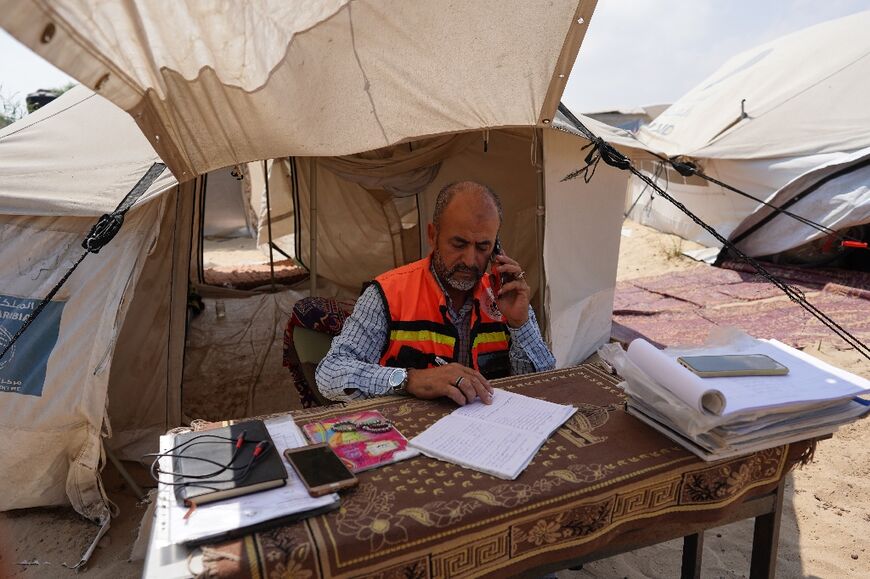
351	370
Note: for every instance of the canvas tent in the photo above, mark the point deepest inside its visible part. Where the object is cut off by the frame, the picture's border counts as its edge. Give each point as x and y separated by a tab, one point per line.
120	335
630	120
766	117
229	211
60	167
213	84
836	194
114	363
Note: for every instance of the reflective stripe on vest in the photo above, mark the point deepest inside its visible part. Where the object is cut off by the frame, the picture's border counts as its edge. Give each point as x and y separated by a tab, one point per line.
420	330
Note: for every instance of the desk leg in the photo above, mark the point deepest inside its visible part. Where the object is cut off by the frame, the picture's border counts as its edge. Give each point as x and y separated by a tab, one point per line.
693	548
765	540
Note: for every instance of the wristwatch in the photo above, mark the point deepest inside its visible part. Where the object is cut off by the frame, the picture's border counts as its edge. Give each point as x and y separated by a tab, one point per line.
398	381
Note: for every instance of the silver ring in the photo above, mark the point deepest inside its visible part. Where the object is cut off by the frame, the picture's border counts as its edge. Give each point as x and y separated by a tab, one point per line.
459	381
521	275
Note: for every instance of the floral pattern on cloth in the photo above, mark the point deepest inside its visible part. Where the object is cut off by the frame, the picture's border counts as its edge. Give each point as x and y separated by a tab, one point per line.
368	516
726	481
427	518
325	315
571	524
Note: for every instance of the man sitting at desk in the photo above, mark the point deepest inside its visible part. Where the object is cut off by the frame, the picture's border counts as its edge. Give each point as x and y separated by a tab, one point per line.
438	326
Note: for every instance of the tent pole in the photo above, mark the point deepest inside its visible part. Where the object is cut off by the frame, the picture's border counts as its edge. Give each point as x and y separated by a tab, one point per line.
420	231
312	229
543	320
125	474
269	226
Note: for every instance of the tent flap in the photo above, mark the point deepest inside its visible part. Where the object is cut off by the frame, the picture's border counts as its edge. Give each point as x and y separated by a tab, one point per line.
78	155
212	87
581	248
54	379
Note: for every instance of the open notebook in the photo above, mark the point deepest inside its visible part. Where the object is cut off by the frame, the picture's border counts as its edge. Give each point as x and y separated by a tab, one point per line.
500	439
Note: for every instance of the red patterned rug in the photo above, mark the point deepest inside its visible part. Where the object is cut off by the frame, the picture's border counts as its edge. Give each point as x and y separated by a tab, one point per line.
682	308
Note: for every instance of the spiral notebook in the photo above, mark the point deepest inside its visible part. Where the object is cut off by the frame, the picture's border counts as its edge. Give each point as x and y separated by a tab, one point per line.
361	449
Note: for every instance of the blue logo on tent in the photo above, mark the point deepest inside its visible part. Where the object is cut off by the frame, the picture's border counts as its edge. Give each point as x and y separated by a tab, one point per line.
22	368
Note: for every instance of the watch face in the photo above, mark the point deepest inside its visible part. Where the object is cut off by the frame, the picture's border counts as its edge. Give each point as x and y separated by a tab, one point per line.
397	377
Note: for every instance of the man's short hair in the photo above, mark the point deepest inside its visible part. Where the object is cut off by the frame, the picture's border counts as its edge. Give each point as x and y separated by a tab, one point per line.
445	196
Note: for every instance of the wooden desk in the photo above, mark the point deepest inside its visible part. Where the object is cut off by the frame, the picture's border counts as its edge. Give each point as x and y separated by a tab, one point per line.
603	484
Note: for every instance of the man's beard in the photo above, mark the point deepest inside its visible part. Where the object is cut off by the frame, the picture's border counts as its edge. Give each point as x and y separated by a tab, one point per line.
448	275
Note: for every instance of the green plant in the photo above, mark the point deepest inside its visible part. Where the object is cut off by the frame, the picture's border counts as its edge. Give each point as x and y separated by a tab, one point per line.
674	248
10	108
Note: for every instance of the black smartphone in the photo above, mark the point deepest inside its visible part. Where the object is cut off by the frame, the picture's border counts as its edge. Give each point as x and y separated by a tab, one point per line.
498	279
321	470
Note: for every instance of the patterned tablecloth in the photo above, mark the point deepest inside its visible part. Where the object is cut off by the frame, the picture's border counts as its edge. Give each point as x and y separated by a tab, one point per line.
601	474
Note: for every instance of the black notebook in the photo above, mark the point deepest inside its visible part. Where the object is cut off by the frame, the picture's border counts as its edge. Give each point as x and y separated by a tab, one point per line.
219	445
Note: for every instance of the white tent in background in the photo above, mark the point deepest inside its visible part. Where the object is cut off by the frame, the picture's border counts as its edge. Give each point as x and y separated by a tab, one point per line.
836	194
630	120
388	100
766	117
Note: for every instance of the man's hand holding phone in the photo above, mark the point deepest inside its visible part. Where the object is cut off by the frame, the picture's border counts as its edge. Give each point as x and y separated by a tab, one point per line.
512	292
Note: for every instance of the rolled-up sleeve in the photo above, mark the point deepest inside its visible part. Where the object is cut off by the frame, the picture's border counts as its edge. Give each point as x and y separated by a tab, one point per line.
351	369
529	353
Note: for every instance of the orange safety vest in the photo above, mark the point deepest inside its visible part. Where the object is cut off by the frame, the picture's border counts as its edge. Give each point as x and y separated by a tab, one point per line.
420	329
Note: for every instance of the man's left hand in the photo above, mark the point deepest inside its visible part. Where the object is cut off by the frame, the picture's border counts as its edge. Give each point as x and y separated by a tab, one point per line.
513	297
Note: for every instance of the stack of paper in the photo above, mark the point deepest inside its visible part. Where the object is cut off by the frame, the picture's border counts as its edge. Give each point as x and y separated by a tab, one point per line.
232	517
500	439
718	418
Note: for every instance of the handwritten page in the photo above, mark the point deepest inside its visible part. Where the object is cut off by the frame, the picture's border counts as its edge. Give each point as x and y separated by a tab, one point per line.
522	412
215	519
809	380
500	439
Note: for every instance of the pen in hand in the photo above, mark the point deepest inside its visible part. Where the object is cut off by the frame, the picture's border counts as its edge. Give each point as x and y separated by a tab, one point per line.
439	361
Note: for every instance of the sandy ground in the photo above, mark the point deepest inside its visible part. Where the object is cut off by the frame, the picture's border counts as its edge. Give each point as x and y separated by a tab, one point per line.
228	252
824	531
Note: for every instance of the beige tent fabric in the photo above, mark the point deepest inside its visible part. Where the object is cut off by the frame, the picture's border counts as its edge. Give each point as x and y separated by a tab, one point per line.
799	101
78	155
836	194
71	160
354	242
145	378
212	84
52	447
804	110
402	170
280	205
581	248
714	205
